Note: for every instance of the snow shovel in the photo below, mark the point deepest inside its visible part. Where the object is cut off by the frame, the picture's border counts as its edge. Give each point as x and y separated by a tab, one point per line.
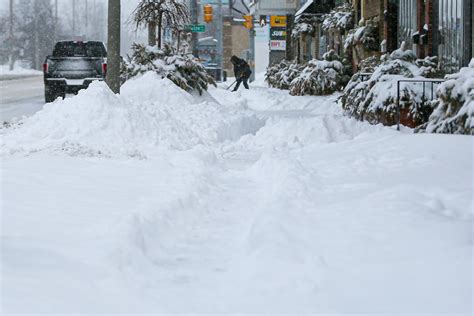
231	85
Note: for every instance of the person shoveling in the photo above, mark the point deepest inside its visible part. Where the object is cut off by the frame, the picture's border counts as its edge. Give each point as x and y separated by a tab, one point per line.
242	72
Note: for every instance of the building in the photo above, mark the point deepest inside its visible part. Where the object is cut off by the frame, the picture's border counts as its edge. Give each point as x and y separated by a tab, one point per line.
311	41
441	28
282	15
236	41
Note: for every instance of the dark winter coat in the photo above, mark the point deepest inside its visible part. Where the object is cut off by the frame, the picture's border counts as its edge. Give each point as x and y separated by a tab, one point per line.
241	68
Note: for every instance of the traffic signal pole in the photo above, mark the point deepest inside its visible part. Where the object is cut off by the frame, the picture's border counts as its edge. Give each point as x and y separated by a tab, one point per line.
252	52
220	50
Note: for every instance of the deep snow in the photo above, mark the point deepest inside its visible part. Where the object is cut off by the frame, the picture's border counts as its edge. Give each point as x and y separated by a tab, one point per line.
157	201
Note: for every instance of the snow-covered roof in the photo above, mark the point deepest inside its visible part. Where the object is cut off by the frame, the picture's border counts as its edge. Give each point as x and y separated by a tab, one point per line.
304	7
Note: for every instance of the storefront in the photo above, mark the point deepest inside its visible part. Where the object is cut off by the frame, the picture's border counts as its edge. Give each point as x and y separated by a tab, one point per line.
437	28
454	38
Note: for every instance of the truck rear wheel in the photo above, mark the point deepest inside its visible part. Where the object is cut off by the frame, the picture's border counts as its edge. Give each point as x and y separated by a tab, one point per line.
49	94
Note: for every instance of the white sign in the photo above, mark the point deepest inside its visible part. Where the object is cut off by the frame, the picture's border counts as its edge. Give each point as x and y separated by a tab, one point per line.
277	45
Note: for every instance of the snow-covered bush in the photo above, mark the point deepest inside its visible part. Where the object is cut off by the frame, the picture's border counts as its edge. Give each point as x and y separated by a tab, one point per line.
369	64
340	19
302	28
375	99
317	77
282	74
320	77
430	67
183	70
454	108
366	36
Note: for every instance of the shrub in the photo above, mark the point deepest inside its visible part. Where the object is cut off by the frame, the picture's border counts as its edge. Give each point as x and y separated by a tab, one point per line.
454	109
282	74
184	70
375	99
320	77
340	19
317	77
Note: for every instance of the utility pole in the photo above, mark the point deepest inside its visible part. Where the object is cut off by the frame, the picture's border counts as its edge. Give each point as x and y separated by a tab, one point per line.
113	46
220	50
252	52
194	20
10	58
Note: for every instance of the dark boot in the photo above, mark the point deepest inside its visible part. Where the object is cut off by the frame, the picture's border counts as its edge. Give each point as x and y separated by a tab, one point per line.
246	85
237	85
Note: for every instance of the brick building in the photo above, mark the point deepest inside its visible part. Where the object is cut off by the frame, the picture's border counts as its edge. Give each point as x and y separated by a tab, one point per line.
441	28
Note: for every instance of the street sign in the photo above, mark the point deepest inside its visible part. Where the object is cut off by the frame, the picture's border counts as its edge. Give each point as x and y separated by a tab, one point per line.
195	28
278	21
263	20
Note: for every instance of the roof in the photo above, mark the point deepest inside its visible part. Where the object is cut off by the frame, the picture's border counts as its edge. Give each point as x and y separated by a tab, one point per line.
304	7
315	8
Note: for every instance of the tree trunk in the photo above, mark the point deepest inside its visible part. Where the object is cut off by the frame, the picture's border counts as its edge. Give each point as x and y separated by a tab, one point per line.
11	59
113	46
160	21
152	33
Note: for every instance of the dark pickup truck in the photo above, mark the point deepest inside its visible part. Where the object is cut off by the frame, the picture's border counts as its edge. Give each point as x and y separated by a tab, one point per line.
72	67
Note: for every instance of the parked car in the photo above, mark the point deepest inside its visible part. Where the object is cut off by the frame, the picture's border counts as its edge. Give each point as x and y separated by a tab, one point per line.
72	67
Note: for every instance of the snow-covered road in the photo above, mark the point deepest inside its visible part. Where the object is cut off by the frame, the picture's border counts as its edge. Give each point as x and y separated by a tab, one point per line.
253	202
21	97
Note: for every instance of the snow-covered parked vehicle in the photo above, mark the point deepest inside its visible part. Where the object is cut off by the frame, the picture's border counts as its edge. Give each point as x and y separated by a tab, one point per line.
72	67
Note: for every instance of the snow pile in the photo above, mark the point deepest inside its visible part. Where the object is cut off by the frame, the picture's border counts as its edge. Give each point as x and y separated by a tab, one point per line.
150	112
375	99
315	213
454	109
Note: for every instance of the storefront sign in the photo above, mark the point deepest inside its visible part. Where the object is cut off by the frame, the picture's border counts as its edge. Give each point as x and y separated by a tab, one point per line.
277	45
278	33
278	21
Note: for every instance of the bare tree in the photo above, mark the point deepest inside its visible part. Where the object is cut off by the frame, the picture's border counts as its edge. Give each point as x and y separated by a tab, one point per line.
160	13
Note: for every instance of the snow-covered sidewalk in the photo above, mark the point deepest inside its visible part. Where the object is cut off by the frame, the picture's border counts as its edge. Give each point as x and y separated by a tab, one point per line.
250	202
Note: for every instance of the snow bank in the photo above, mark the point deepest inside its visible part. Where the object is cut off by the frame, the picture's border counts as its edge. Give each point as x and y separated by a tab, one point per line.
150	112
18	70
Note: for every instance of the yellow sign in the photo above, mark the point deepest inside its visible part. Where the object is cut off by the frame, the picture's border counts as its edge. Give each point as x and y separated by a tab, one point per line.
277	20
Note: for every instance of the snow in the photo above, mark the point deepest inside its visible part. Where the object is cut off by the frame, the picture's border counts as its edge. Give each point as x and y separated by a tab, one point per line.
5	70
247	202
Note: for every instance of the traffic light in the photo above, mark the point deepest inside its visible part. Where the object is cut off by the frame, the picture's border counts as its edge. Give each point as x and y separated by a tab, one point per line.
208	13
248	23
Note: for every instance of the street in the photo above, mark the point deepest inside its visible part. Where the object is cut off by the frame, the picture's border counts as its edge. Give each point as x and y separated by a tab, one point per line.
21	97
